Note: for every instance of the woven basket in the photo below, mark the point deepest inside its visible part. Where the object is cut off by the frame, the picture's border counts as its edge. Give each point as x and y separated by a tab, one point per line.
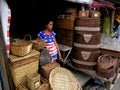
65	23
87	30
87	39
86	47
94	14
106	73
63	79
83	14
84	64
33	81
88	56
39	44
23	66
87	22
105	61
48	68
21	47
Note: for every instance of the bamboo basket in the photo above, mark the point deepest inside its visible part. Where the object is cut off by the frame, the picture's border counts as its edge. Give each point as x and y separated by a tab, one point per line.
94	14
83	14
63	79
84	64
22	47
88	56
24	66
39	44
87	22
87	39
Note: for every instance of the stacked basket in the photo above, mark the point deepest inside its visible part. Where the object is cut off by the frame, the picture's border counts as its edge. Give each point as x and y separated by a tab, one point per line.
86	40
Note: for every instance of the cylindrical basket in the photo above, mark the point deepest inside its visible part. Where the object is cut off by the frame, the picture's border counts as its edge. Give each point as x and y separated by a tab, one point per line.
87	22
88	56
21	47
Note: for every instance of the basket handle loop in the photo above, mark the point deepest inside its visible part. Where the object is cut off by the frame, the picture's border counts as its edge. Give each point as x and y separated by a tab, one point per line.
28	35
105	55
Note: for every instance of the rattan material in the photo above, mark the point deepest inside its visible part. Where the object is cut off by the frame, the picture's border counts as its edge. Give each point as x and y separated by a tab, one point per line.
20	69
84	64
105	61
87	39
63	79
83	14
21	47
48	68
94	14
39	44
88	56
89	22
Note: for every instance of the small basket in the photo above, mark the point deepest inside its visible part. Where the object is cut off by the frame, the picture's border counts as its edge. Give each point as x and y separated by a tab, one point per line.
105	61
87	56
87	39
84	64
83	14
22	47
87	22
39	44
94	14
63	79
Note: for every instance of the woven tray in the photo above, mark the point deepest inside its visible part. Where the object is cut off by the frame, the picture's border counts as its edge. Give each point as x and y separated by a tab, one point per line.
88	56
87	39
106	73
89	22
48	68
63	79
83	64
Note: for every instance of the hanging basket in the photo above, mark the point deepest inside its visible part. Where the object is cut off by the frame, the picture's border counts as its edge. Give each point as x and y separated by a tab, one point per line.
22	47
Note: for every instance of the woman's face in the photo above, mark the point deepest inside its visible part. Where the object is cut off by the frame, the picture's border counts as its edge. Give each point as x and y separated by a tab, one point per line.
49	26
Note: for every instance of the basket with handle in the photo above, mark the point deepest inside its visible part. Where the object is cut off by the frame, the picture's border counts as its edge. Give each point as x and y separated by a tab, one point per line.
105	61
22	47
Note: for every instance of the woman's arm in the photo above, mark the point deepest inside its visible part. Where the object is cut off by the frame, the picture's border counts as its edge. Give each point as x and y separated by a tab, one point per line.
60	56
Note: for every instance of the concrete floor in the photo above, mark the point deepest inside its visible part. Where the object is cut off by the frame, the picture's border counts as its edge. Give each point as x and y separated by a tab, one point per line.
117	85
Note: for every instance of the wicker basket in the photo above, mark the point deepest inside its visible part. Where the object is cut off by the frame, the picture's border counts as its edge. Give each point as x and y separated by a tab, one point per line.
48	68
23	66
87	39
84	64
94	14
21	47
106	73
33	81
87	22
83	14
65	23
105	61
88	56
39	44
63	79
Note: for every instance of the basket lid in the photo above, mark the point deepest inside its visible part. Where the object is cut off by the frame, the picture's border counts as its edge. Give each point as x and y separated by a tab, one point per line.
63	79
14	58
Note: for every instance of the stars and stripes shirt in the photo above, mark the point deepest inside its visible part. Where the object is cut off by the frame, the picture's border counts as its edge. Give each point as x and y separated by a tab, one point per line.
49	42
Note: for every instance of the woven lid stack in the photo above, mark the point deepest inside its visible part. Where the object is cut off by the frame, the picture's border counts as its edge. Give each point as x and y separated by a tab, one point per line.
86	39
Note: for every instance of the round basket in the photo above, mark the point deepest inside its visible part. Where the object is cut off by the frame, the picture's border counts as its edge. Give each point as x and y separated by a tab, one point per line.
63	79
105	61
106	73
87	39
88	56
22	47
84	65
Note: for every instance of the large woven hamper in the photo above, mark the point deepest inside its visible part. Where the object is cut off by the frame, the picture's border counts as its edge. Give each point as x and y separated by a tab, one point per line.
63	79
22	66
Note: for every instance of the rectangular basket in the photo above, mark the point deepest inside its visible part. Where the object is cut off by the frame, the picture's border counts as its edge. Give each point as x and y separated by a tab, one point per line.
22	67
87	22
83	14
65	23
